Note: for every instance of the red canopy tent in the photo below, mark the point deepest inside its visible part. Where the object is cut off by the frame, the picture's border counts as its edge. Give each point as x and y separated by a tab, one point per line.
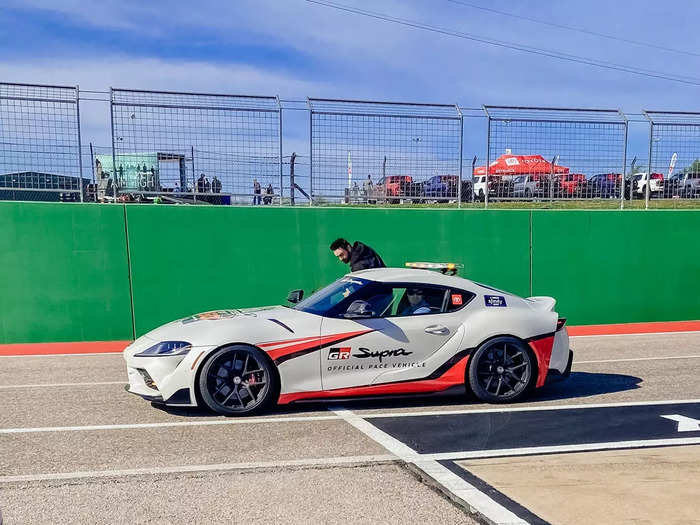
520	165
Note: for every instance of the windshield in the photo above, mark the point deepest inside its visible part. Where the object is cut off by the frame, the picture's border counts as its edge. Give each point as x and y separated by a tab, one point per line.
326	298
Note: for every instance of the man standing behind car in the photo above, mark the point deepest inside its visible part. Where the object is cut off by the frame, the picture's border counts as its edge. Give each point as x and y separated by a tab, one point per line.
359	256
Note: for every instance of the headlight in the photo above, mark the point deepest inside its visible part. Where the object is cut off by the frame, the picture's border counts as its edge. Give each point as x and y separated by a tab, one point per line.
166	348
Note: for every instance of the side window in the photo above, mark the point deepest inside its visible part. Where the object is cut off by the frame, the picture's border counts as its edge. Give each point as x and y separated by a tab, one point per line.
456	299
417	299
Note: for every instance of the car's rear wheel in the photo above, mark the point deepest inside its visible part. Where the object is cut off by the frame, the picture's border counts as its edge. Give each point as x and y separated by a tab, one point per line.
238	380
501	370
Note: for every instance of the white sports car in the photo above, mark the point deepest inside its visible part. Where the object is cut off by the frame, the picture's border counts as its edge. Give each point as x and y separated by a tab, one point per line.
374	332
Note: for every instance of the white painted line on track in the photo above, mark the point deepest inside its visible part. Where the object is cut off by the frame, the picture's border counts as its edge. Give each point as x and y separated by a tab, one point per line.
637	359
559	449
296	419
632	335
374	415
467	494
241	421
317	462
51	385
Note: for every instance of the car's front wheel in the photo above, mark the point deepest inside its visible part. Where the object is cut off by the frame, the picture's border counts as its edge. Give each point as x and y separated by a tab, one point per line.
238	380
501	370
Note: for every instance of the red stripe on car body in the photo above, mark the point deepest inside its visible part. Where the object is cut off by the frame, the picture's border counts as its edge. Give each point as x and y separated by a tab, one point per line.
454	376
542	347
313	343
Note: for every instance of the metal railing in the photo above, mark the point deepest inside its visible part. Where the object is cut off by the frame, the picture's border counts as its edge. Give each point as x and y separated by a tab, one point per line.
674	157
384	152
195	148
554	153
40	142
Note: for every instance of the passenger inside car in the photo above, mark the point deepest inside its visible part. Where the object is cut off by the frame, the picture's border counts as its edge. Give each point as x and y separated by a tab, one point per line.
415	297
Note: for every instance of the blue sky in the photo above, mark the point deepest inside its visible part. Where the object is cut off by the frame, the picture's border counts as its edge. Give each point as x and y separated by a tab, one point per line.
296	49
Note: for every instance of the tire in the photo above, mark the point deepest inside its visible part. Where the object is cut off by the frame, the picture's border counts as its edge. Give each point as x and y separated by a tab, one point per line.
238	380
497	379
528	194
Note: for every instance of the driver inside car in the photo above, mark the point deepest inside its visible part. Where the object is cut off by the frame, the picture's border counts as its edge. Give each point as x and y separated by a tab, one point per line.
416	302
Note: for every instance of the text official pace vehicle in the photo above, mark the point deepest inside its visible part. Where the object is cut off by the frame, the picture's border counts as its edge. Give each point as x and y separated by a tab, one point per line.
374	332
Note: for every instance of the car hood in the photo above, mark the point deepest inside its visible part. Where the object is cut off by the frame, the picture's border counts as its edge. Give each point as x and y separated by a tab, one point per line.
252	325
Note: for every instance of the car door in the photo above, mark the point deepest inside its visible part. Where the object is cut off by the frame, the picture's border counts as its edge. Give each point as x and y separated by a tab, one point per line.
391	338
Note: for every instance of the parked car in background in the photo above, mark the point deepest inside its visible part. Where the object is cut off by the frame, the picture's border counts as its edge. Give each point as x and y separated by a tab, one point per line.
441	187
392	187
528	186
571	185
682	185
603	185
480	187
500	187
640	181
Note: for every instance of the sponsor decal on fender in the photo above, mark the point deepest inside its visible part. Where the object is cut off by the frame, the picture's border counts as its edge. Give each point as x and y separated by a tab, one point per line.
494	300
339	353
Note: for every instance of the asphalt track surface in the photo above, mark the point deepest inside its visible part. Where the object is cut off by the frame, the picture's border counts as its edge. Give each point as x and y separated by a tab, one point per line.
76	448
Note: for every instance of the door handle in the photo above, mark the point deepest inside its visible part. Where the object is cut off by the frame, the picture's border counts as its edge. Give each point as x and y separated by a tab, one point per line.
437	329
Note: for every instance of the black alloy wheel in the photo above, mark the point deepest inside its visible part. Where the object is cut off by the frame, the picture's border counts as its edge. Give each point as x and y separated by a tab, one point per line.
238	380
501	370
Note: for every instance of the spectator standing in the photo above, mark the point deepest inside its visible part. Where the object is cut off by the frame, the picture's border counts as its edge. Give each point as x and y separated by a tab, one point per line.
256	192
216	185
268	194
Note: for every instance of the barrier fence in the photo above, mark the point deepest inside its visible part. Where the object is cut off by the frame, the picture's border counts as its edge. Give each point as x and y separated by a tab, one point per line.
194	148
40	142
674	162
221	149
581	153
379	152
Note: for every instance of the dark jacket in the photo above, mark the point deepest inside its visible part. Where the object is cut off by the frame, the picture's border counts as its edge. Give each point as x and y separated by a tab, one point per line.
362	257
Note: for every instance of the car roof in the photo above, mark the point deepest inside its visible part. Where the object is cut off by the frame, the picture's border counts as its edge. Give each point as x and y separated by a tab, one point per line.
415	275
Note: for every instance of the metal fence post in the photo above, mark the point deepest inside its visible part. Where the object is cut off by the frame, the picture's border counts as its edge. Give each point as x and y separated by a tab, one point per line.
92	165
651	143
291	177
279	106
194	178
624	163
311	151
471	198
115	184
80	147
488	157
461	148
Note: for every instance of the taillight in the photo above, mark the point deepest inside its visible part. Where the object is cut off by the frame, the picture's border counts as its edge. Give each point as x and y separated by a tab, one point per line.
560	323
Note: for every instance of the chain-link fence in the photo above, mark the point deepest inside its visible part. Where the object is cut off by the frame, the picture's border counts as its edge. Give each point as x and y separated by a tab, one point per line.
384	152
553	153
186	147
674	157
197	148
40	143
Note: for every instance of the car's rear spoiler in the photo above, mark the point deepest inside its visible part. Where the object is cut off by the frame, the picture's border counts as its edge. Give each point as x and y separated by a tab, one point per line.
543	303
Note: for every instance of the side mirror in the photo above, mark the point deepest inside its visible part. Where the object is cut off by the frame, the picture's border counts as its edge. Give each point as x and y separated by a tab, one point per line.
295	296
359	310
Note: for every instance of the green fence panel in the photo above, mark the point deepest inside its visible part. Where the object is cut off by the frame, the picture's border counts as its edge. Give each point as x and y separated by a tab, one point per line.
64	273
618	267
191	259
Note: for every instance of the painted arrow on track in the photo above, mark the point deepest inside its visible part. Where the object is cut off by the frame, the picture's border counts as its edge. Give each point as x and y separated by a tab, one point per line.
685	424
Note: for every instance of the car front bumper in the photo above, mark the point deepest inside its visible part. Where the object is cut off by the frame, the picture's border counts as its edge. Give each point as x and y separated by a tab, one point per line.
166	379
